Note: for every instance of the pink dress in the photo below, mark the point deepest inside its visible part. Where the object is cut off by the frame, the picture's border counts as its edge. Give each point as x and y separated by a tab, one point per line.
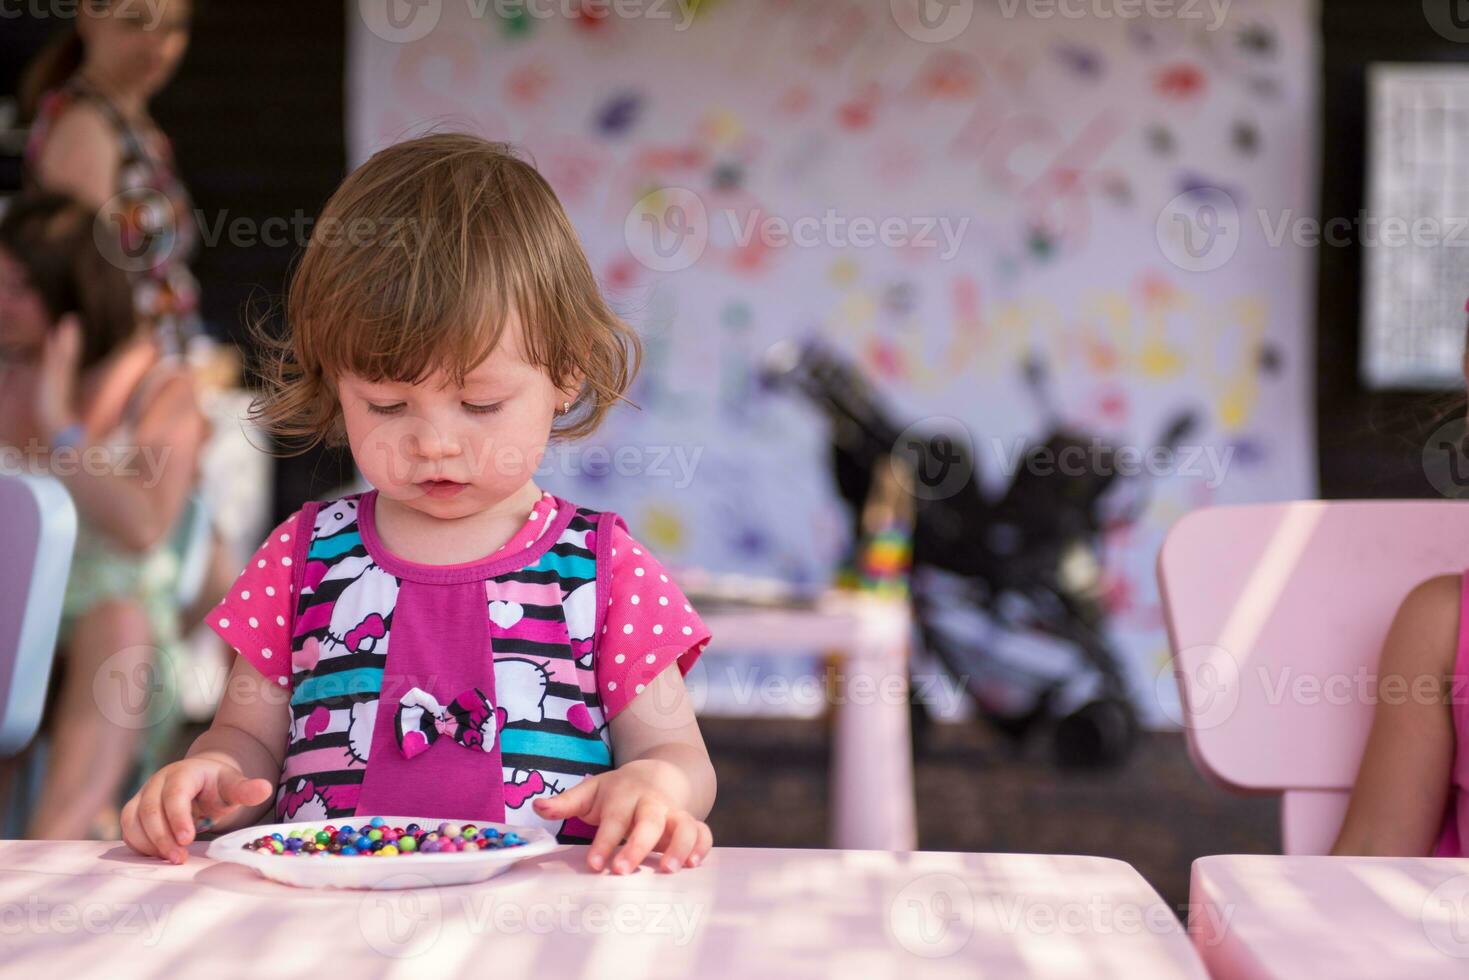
456	691
1455	831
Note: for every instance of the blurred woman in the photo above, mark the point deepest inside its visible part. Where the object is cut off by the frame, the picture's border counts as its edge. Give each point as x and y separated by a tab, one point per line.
88	395
86	99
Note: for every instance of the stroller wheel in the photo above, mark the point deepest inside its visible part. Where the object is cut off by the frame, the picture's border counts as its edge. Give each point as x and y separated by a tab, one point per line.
1100	734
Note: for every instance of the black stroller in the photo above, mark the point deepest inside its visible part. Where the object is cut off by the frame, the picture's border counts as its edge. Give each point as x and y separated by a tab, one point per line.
1005	592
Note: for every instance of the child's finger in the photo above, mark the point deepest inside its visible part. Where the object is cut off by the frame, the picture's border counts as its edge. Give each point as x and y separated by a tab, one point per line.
610	828
647	826
211	801
179	790
706	841
155	824
579	801
132	830
681	840
238	790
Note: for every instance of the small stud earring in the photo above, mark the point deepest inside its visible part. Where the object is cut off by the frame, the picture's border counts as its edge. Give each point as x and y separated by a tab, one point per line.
566	408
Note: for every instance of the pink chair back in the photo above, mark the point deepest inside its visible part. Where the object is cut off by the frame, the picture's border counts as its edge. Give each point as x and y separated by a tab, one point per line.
1276	616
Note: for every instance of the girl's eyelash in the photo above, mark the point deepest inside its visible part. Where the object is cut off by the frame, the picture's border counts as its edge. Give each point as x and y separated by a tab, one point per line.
473	409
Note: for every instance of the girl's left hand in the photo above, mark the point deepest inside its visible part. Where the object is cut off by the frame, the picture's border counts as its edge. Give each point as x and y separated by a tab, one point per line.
630	802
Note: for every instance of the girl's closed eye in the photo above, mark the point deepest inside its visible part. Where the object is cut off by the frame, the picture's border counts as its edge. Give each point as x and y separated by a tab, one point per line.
393	409
473	409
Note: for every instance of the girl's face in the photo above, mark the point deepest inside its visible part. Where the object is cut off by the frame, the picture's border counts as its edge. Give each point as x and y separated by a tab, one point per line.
137	44
452	452
24	320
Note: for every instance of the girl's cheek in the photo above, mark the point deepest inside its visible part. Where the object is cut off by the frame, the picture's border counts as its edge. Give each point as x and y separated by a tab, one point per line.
381	449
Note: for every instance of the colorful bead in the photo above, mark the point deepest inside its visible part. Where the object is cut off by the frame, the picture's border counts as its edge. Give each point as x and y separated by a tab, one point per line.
377	838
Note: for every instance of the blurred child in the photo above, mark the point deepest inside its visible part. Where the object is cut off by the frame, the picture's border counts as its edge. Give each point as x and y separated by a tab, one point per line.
87	394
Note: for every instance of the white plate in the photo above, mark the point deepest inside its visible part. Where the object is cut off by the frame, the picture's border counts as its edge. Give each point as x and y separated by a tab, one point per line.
398	871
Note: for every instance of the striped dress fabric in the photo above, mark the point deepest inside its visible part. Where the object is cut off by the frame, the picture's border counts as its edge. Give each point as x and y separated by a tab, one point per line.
542	620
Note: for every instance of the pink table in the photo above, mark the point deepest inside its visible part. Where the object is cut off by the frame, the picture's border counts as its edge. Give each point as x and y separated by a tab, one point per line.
871	782
1336	917
79	908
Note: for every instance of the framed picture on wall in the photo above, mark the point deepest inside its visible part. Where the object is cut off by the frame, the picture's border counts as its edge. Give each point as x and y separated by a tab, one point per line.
1414	232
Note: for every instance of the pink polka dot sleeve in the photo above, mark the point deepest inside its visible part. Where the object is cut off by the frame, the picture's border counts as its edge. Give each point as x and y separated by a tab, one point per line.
648	626
255	617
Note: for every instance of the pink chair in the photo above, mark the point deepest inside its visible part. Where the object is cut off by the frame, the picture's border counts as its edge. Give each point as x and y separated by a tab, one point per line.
1276	616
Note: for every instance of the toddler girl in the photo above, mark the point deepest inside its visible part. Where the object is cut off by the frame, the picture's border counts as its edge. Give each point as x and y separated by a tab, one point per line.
454	642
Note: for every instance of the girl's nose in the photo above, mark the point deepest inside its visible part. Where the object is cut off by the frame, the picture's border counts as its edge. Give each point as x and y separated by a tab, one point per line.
432	443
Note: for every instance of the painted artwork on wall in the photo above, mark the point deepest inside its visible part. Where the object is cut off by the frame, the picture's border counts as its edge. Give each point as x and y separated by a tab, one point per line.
942	202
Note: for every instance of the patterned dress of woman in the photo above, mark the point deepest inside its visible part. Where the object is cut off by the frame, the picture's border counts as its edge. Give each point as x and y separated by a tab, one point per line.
150	210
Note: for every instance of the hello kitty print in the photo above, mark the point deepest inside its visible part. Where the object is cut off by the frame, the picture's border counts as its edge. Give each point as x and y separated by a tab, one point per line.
577	626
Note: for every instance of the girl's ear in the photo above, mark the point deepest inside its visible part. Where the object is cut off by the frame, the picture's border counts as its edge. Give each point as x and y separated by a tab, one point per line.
571	392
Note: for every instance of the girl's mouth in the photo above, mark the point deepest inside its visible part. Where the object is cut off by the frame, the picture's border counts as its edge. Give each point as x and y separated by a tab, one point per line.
441	488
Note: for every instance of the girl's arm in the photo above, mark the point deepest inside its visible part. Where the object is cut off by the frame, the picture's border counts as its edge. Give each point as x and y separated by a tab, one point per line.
660	792
659	728
1397	805
80	157
229	774
137	506
249	732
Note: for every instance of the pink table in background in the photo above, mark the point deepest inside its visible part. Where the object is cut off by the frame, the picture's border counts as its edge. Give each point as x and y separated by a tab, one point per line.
78	908
871	782
1331	917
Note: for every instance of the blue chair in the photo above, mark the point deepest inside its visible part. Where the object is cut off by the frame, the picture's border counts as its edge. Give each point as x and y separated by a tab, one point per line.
38	530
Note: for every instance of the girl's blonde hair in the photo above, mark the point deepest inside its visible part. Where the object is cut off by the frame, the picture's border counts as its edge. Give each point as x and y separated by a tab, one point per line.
413	267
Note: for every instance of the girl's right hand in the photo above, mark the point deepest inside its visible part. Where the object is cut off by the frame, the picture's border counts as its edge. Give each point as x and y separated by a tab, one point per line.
57	378
159	820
